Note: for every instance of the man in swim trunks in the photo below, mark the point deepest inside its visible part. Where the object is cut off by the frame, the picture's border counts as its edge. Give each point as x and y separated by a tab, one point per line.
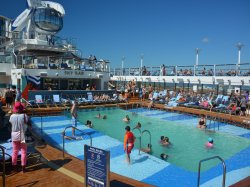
73	112
129	140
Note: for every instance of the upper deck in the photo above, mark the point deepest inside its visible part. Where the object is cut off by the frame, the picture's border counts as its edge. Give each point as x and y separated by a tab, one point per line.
225	74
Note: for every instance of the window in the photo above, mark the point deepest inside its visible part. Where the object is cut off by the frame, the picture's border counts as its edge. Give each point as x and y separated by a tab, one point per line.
48	19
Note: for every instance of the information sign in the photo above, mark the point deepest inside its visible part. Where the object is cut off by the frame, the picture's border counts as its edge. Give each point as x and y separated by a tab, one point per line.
97	167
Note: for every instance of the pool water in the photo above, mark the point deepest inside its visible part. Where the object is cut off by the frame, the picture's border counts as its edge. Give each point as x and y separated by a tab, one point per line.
188	142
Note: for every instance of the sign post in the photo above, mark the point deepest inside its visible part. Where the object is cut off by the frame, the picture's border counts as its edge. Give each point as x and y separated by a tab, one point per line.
97	167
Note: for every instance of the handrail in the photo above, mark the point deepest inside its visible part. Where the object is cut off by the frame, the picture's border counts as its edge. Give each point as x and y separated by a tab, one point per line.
214	123
3	175
224	169
148	133
63	136
149	138
41	128
140	134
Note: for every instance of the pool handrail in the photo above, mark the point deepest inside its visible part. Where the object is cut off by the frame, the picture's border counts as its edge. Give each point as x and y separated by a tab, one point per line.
138	137
3	175
224	169
149	138
63	136
213	120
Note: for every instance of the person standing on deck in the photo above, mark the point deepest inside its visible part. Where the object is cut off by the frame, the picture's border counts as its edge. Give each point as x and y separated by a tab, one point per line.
73	112
18	121
129	140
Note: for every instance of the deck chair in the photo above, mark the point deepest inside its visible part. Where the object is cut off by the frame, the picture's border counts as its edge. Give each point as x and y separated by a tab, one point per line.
218	100
39	101
89	97
8	150
56	100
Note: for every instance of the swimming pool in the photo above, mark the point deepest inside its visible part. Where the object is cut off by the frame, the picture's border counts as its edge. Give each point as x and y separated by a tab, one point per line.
188	142
231	143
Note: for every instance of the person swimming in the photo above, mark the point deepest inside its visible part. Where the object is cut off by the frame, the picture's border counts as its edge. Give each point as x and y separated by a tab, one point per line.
164	140
163	156
89	124
138	126
210	143
98	115
126	119
202	122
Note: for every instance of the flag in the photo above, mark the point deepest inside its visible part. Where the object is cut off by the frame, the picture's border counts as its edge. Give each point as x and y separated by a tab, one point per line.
34	80
33	83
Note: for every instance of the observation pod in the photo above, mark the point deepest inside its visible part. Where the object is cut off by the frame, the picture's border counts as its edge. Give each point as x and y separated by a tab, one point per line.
47	20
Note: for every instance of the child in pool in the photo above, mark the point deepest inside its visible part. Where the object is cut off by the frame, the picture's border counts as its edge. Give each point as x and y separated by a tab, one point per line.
210	143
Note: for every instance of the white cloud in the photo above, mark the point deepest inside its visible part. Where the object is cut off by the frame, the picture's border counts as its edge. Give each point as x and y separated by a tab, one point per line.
205	40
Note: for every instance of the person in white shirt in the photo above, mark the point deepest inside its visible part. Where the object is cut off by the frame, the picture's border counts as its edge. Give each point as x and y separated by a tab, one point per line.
19	121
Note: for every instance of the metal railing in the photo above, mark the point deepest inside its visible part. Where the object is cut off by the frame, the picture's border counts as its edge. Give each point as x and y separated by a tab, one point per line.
224	169
147	131
3	163
242	69
140	138
63	136
212	124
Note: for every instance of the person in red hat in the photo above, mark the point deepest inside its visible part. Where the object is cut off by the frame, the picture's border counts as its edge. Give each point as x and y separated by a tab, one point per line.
18	122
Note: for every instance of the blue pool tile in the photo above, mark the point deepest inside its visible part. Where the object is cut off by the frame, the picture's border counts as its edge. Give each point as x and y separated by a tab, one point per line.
143	165
233	163
48	119
116	151
231	178
156	114
247	135
172	176
178	117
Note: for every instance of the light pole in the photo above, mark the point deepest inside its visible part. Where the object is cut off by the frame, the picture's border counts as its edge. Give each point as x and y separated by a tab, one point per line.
197	50
141	62
239	46
123	59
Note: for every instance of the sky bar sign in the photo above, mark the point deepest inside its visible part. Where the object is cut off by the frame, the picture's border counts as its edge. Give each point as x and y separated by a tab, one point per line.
97	167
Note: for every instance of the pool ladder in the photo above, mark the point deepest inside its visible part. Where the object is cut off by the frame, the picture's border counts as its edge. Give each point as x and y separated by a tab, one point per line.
140	138
213	121
63	137
224	169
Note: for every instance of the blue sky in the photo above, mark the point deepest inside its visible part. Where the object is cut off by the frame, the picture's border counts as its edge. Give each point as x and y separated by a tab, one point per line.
164	31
